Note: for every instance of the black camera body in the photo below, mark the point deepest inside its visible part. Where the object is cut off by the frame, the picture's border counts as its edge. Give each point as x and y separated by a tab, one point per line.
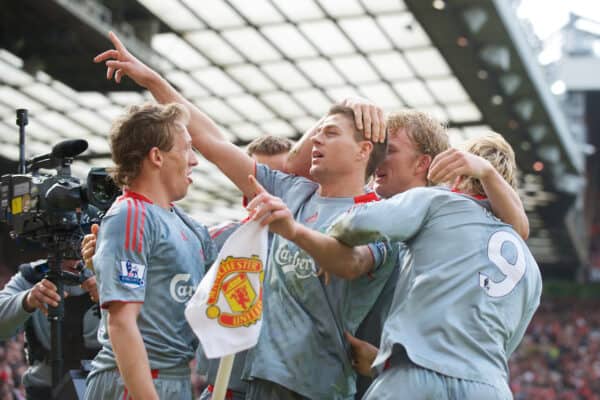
46	207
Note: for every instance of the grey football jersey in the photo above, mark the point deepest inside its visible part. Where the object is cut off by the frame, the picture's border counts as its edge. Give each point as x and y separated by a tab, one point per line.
157	257
301	345
472	286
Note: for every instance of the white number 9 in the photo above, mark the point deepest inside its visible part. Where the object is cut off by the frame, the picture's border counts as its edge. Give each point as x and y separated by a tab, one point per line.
513	272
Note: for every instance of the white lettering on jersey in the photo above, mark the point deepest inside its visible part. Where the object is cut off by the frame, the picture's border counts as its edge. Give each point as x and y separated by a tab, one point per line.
180	290
513	272
296	261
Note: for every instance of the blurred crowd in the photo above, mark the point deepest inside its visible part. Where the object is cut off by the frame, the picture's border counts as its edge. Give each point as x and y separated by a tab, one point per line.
559	357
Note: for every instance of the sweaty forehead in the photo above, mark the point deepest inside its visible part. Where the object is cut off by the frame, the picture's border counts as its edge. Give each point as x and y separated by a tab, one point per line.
339	121
182	132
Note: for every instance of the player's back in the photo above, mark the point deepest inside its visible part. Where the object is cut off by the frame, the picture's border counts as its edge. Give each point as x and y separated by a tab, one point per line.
472	290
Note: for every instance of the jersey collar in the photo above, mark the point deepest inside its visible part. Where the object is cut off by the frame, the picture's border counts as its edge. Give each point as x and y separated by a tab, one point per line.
366	198
475	196
129	194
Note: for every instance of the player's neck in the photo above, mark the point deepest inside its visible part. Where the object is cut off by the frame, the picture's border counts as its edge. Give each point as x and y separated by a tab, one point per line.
348	186
152	191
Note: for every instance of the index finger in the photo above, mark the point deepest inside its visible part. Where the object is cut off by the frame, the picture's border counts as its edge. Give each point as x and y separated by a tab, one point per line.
116	42
382	125
358	117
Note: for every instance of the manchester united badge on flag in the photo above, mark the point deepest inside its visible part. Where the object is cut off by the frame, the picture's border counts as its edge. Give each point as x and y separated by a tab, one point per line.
226	310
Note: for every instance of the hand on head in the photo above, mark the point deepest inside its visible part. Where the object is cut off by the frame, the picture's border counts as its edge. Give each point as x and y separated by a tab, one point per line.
452	164
368	118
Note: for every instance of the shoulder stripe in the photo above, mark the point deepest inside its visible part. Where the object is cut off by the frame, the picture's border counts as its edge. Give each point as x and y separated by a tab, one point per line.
135	225
140	244
127	224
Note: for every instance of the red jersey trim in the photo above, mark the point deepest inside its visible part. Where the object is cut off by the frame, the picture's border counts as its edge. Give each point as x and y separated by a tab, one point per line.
366	198
475	196
134	227
244	198
104	306
128	194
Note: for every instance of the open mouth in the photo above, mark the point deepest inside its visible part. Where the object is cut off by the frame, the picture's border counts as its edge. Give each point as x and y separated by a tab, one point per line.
316	154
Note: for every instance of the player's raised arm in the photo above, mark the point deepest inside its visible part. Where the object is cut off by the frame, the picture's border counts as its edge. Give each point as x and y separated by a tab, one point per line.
453	165
331	255
206	136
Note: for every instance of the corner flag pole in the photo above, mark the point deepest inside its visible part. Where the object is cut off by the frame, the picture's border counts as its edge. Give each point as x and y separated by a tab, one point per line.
223	375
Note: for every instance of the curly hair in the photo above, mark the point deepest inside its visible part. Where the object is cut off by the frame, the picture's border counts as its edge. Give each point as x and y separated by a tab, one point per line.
134	134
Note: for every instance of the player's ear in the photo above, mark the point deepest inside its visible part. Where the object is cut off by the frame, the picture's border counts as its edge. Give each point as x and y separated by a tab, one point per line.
423	163
365	149
155	156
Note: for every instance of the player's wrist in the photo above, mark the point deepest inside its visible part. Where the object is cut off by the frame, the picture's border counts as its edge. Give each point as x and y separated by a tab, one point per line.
27	302
487	171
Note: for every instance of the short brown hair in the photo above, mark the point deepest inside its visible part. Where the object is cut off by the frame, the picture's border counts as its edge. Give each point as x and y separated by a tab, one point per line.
427	134
495	149
134	134
379	149
269	145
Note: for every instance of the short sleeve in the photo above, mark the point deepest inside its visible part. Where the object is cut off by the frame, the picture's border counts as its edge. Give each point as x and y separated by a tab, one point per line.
209	247
122	252
278	183
396	219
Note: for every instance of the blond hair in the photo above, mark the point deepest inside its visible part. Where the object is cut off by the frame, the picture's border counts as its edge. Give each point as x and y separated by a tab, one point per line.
134	134
495	149
427	134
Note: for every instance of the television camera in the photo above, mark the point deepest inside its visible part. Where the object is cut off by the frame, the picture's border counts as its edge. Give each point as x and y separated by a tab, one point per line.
53	209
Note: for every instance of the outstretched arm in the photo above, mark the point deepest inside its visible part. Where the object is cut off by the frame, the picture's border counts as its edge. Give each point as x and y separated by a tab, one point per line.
331	255
505	201
206	136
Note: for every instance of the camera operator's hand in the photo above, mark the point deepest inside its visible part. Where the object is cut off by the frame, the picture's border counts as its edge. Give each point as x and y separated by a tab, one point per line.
40	296
88	247
89	285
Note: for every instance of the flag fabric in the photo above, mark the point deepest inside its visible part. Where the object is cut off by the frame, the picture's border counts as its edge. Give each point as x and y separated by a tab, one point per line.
226	310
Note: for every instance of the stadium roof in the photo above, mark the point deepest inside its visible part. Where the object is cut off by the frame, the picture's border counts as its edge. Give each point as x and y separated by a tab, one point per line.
274	66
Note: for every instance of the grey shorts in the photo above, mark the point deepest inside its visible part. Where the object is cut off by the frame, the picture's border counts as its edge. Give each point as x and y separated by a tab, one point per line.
259	389
108	385
406	380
